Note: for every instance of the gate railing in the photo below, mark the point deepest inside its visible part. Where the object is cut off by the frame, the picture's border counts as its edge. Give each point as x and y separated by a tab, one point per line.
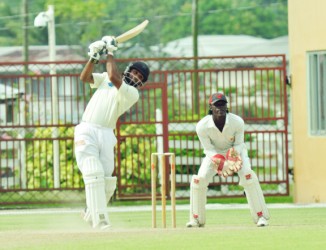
255	86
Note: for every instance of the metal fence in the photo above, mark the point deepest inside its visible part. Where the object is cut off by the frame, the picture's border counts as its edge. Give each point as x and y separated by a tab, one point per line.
40	103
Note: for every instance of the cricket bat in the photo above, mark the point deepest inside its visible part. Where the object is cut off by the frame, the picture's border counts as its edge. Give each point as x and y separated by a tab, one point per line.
128	35
132	33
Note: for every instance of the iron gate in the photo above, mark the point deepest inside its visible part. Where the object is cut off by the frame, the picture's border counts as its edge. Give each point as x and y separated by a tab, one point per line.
164	119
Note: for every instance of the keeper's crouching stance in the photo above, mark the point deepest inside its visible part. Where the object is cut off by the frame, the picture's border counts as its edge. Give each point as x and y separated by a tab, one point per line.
248	180
222	136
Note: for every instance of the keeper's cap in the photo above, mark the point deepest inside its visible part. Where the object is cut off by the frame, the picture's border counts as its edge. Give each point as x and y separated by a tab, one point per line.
217	97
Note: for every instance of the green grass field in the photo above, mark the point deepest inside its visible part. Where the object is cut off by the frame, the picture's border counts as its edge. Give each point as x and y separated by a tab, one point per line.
290	228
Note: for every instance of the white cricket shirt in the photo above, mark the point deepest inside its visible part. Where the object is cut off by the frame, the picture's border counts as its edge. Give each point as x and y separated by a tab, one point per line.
216	142
108	103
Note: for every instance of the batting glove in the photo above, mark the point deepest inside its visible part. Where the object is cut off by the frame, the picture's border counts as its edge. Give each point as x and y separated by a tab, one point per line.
95	51
111	44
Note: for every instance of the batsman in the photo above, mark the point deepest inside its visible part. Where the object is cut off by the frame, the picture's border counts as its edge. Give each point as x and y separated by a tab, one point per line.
222	136
94	136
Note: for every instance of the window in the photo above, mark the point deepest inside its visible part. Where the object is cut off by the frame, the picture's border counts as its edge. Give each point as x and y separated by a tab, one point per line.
317	92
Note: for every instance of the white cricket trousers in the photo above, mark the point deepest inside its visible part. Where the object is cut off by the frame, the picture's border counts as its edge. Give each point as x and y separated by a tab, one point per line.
97	141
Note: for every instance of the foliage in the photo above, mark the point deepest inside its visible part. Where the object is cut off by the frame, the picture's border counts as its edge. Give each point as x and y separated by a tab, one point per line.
259	18
80	22
40	173
129	150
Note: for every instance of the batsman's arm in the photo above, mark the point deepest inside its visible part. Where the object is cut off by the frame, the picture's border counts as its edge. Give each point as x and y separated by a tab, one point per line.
113	72
86	75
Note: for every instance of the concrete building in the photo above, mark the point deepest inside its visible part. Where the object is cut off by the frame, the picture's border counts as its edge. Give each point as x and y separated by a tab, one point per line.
227	45
307	44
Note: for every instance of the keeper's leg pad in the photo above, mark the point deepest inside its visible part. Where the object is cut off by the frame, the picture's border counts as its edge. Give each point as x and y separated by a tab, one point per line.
110	186
255	196
198	188
93	175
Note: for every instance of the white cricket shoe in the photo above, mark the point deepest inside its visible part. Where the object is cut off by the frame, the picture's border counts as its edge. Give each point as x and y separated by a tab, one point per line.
103	225
262	222
194	223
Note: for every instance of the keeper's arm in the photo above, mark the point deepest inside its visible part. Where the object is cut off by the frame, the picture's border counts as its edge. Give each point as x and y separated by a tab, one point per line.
239	143
209	149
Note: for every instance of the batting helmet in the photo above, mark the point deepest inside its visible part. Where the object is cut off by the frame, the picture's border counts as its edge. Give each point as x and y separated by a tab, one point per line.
139	66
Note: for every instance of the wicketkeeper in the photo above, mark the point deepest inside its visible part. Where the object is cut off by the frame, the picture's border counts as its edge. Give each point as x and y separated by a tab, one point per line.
94	136
222	136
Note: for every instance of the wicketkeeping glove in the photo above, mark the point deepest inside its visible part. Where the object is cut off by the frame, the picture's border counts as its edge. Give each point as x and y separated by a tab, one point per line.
227	166
95	51
110	43
218	161
233	159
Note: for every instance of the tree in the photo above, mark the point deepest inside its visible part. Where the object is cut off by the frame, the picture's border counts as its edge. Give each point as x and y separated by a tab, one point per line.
80	22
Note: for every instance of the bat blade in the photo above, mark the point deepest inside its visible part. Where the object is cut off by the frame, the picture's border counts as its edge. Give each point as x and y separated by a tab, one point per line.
132	33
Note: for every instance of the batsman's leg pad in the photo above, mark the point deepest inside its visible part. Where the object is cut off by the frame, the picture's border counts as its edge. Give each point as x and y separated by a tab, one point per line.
110	186
86	215
198	188
255	196
93	175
